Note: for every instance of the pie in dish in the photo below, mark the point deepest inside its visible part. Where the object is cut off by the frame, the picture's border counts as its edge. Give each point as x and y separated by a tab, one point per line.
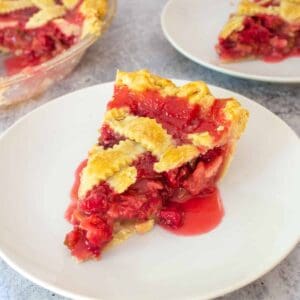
263	29
34	31
160	145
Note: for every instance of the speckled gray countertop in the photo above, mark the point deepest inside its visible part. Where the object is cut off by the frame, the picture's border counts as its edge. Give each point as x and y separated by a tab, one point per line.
135	41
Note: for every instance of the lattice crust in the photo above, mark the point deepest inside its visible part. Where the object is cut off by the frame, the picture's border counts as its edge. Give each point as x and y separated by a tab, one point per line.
45	15
67	28
249	8
70	4
155	139
175	157
145	131
202	139
151	135
103	164
289	10
143	80
41	4
146	134
195	92
123	179
93	11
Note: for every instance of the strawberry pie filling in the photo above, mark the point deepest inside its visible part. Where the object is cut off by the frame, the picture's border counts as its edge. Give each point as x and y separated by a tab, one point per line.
266	36
175	114
183	200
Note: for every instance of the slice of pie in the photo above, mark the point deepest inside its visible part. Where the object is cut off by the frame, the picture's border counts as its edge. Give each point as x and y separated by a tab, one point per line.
263	29
34	31
159	145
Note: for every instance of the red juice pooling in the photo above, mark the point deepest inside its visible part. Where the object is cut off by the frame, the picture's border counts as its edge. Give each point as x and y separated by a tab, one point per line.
202	214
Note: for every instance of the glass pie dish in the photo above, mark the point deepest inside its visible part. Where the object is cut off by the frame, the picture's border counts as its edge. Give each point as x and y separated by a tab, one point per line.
33	81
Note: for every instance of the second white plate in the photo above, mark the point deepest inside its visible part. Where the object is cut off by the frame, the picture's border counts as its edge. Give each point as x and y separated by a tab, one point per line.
192	27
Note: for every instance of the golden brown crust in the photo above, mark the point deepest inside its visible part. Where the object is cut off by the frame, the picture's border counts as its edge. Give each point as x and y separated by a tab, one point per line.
202	139
195	92
94	12
45	15
249	8
102	164
70	4
143	80
235	23
67	28
290	10
175	157
123	179
145	131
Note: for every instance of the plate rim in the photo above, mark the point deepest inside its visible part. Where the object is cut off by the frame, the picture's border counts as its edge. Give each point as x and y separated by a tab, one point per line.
67	293
237	74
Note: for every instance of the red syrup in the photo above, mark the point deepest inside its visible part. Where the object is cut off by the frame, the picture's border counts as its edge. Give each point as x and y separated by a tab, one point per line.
201	214
75	187
74	191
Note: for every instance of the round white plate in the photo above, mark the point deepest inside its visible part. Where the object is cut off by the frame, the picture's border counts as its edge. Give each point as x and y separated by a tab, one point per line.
38	156
193	26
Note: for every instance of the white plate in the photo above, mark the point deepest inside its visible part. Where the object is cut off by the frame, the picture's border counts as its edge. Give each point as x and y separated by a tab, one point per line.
192	27
38	156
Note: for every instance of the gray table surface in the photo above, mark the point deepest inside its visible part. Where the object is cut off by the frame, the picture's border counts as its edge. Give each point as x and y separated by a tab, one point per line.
135	41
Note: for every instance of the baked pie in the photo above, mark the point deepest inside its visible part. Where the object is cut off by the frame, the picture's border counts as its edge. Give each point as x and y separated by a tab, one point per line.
159	146
34	31
264	29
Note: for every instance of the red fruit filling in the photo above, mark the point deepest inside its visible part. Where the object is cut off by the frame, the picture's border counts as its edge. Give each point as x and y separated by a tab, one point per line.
202	213
159	196
264	36
171	216
175	114
31	47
